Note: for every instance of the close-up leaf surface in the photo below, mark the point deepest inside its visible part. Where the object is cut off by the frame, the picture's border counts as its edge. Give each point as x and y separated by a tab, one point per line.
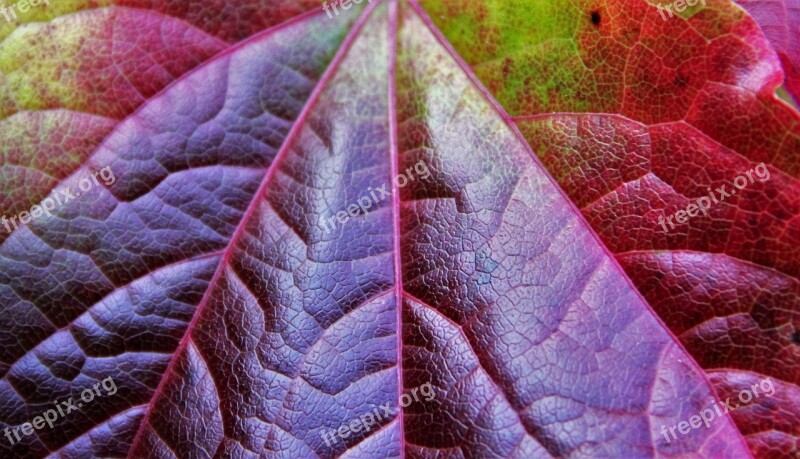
518	269
687	106
780	21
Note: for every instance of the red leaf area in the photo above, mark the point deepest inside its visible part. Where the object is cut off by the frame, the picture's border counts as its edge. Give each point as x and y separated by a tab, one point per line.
205	282
697	111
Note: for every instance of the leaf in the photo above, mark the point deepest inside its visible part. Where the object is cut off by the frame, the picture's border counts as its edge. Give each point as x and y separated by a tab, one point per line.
82	86
130	55
108	285
670	111
203	281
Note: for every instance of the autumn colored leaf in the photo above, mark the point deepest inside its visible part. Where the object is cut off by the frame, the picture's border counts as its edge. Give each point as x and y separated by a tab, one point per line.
302	216
93	64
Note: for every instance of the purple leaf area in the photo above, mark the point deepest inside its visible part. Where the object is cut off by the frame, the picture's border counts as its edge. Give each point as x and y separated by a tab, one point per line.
240	315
